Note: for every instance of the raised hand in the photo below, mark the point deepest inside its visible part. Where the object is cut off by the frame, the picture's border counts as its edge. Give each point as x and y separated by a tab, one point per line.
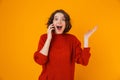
90	32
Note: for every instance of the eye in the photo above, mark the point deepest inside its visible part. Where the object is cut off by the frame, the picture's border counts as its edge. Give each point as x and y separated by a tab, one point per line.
63	19
55	19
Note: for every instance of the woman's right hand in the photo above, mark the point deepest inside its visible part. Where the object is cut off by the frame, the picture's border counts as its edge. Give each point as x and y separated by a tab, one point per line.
49	31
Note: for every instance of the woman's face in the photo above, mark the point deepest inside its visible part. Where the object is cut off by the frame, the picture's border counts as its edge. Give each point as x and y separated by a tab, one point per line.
59	23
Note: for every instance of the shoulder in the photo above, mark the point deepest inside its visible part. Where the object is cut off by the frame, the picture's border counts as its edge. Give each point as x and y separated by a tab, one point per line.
71	36
43	36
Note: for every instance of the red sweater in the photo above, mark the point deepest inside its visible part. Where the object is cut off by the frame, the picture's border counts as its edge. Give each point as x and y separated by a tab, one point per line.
64	51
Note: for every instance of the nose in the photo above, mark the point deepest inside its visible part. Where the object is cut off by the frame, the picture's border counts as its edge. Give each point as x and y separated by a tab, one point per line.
59	22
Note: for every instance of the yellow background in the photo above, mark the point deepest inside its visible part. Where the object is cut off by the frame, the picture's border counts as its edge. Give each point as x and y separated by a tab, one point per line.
23	21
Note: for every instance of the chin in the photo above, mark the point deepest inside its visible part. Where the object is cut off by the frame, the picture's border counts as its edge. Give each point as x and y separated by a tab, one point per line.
59	32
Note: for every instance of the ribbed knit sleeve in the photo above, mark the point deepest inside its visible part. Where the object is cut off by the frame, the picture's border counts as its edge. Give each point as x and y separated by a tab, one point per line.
38	57
81	55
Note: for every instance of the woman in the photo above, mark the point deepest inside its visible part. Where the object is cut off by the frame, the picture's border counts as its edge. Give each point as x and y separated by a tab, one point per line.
58	51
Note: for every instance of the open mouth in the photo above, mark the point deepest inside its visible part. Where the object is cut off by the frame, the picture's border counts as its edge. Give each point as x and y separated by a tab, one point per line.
59	27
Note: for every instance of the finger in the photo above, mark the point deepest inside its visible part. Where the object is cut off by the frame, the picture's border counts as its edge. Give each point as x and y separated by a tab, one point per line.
90	32
94	29
52	28
51	25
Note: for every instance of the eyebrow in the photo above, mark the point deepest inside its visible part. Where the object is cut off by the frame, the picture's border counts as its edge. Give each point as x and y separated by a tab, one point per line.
56	16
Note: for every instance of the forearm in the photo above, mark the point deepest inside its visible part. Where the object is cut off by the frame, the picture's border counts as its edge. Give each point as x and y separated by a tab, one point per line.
45	48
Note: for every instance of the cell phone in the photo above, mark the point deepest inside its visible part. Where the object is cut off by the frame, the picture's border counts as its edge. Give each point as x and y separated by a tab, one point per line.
53	29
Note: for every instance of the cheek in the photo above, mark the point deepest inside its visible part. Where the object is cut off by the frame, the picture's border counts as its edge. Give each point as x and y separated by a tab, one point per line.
64	27
64	23
55	24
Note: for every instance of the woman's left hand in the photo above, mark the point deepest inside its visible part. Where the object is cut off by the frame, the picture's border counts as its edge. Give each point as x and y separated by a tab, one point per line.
90	32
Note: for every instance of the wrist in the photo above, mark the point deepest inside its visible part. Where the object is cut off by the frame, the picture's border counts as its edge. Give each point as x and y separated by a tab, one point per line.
85	42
